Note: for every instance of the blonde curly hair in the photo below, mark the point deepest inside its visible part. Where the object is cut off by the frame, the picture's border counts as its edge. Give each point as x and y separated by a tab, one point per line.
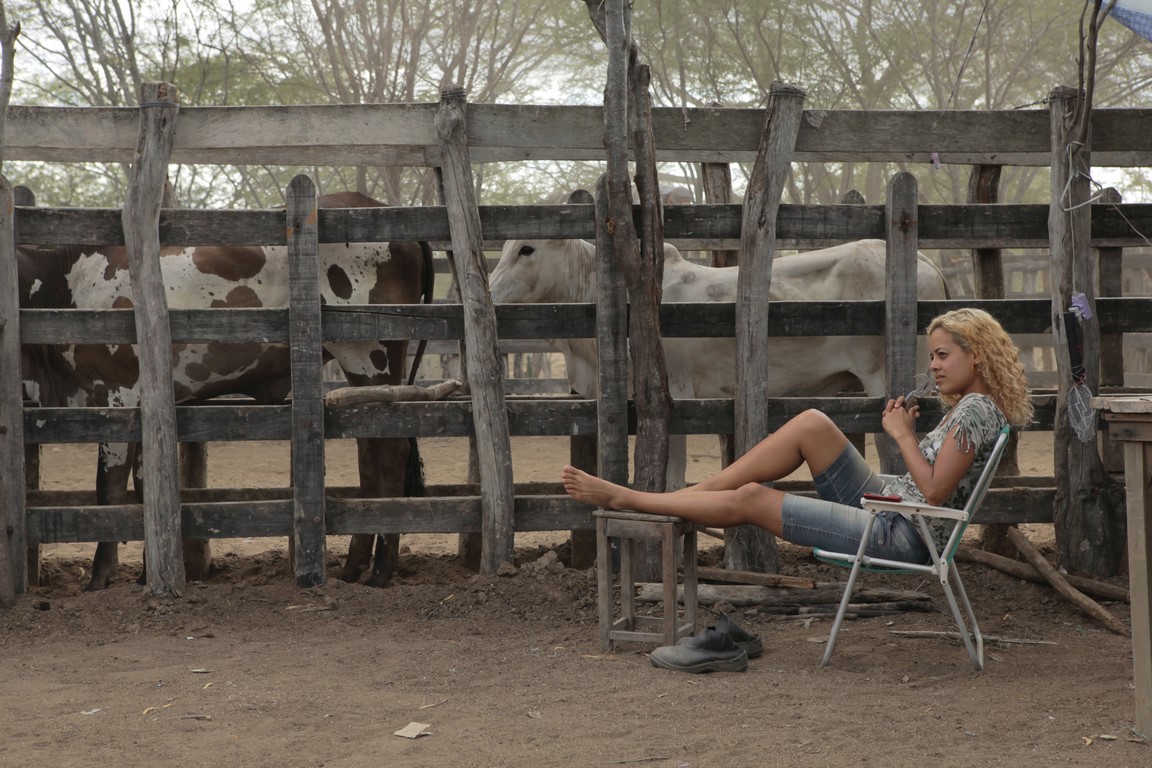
977	332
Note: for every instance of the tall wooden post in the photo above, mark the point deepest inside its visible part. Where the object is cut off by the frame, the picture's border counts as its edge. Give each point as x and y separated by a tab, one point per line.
1110	268
13	513
749	548
486	374
902	233
645	280
640	271
307	353
717	182
1089	507
612	347
24	197
141	219
988	283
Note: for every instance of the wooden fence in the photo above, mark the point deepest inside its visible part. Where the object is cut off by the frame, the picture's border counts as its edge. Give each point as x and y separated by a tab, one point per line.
403	134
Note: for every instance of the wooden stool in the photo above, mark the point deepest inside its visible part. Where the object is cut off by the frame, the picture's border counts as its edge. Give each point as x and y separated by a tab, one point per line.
630	527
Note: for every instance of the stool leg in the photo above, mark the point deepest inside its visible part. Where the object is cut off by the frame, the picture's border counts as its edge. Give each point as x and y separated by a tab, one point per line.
627	584
690	591
604	602
671	614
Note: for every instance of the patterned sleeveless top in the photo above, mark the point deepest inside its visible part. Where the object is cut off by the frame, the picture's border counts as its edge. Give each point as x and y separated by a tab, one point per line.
977	422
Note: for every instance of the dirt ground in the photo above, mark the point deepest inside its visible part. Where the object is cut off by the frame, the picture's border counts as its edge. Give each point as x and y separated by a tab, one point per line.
246	669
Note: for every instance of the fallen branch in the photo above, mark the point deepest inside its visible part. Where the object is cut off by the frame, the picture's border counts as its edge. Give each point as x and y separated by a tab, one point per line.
921	633
388	393
855	610
744	595
1061	585
759	579
1025	571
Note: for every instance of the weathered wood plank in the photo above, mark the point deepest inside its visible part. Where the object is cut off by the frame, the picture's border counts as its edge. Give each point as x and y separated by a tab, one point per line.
403	134
750	548
706	225
610	428
159	106
69	517
536	416
13	535
307	383
536	321
900	324
485	374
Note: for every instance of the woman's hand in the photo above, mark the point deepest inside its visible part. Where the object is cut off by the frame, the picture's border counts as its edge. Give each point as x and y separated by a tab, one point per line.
899	421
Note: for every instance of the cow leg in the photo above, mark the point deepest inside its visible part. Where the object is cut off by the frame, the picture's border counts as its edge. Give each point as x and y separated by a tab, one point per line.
392	462
359	553
381	476
112	467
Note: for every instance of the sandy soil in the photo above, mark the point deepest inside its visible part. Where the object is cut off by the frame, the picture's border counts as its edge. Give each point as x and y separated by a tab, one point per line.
248	670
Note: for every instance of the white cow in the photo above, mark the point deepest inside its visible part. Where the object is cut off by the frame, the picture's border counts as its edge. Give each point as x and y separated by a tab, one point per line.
564	271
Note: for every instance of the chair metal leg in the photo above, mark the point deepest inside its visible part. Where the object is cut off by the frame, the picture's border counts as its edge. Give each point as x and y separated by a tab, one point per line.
948	573
847	598
974	642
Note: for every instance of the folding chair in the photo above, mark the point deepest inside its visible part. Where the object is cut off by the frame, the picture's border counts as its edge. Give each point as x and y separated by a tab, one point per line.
943	565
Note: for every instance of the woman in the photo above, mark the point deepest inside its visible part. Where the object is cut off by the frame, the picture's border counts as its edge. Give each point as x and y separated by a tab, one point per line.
977	369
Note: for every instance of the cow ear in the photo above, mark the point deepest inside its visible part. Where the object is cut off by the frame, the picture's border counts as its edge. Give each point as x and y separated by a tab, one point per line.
581	197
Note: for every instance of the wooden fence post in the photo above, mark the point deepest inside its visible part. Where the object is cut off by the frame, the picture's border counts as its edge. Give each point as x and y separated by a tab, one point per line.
485	369
641	273
858	439
13	514
612	346
1089	508
988	283
748	548
306	338
141	218
900	330
645	282
717	182
1110	266
24	197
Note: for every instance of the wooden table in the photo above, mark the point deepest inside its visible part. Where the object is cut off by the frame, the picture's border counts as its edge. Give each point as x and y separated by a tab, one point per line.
1130	421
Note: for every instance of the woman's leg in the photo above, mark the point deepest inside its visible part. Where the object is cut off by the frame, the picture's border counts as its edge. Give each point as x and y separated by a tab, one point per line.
751	504
807	438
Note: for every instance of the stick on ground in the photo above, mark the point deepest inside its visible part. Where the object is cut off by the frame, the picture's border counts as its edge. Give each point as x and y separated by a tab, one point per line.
1061	585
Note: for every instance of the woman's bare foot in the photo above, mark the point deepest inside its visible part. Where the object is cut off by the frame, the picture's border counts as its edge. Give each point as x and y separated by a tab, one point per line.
592	490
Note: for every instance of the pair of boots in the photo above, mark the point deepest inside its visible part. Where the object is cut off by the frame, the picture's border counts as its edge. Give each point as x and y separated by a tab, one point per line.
724	647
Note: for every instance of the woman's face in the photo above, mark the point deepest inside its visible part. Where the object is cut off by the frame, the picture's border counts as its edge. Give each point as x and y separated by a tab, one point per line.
953	368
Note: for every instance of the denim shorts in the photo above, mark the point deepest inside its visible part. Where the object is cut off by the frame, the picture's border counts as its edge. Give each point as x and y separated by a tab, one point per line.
835	521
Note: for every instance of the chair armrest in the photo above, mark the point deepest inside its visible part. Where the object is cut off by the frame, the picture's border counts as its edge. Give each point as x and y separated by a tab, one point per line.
914	508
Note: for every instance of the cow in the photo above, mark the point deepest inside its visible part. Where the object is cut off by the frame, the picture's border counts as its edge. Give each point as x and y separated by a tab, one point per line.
93	375
564	271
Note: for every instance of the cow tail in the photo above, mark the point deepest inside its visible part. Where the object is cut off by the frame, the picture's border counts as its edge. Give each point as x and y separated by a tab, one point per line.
427	291
414	473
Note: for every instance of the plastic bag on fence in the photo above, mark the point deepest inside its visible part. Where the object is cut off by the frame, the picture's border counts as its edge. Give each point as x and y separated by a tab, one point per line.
1081	415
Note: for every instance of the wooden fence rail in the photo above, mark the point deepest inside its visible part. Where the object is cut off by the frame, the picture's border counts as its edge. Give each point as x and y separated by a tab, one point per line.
406	135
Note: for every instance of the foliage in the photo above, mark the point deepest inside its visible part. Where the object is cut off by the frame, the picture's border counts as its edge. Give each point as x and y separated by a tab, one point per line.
847	54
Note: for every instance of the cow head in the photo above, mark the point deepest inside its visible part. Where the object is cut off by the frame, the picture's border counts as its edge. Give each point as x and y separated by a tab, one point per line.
545	271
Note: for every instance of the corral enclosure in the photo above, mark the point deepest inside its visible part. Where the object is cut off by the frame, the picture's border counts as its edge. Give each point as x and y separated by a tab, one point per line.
405	135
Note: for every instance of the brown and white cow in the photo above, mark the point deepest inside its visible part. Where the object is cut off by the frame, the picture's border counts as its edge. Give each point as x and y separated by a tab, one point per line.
233	277
564	271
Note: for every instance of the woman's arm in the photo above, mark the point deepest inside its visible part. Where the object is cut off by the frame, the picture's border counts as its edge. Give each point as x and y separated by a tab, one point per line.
936	481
